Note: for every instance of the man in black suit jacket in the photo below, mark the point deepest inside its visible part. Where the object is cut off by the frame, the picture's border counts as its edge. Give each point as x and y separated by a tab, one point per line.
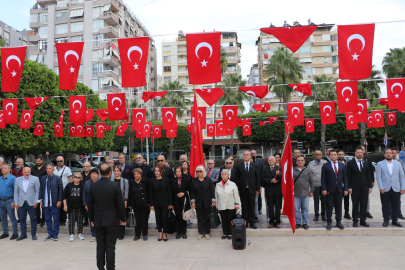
106	212
247	178
126	168
334	185
168	172
359	180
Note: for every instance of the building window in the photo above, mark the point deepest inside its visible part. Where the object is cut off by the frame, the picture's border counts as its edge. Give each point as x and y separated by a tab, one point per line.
76	27
166	79
327	70
76	13
96	12
334	48
325	37
333	37
166	59
327	59
61	15
34	18
56	69
335	59
97	67
307	72
231	68
306	49
42	45
81	70
42	31
166	48
306	60
61	40
61	28
76	38
326	48
44	18
97	25
97	38
94	83
167	69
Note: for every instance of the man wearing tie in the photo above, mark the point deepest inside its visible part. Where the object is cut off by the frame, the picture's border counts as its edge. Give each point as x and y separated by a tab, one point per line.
391	182
334	185
359	180
247	178
346	201
211	171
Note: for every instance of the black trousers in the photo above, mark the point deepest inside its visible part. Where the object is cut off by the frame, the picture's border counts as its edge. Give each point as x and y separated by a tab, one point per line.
390	197
141	218
106	240
62	214
203	220
226	217
319	197
248	207
274	203
161	218
362	199
181	223
259	203
40	217
121	231
334	200
346	202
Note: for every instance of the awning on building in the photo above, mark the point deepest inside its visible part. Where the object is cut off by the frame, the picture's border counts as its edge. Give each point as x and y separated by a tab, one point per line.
76	13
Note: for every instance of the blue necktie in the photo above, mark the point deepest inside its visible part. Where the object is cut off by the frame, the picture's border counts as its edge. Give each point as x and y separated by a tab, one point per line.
48	187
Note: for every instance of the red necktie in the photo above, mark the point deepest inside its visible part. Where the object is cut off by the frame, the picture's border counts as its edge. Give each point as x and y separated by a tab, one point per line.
209	172
334	164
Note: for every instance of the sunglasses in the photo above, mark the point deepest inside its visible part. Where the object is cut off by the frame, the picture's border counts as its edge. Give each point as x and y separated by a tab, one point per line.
229	163
77	177
160	160
59	161
199	171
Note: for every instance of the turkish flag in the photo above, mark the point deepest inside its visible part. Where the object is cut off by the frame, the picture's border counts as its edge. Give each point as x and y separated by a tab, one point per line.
38	129
89	131
309	125
116	106
287	124
80	130
243	121
219	128
196	151
391	118
202	116
169	118
361	116
287	183
304	88
395	93
327	112
62	115
188	128
203	57
33	103
72	131
210	130
257	91
384	101
153	94
2	124
107	128
210	95
146	129
139	134
102	114
77	109
292	37
347	96
355	51
157	132
134	59
261	107
171	133
10	110
120	131
230	113
12	65
247	129
272	119
378	118
351	123
370	121
26	119
262	123
69	59
58	128
138	118
100	130
296	113
89	115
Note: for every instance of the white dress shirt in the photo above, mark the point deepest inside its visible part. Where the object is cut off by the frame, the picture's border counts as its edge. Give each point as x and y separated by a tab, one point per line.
337	166
390	166
359	162
25	186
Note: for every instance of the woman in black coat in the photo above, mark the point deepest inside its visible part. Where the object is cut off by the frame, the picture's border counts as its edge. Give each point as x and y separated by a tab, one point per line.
181	200
185	169
202	199
138	200
160	199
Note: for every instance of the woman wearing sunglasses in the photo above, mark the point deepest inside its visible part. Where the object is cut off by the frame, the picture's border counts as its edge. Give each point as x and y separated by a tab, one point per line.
202	199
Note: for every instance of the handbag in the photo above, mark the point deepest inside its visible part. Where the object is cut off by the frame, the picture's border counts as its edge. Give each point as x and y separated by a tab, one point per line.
171	222
189	214
214	218
131	222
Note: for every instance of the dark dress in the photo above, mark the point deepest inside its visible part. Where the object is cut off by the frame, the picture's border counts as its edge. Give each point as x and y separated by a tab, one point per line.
160	197
138	200
203	194
178	203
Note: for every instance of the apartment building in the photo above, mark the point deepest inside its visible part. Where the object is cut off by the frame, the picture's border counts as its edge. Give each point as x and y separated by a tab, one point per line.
253	80
318	56
99	23
12	37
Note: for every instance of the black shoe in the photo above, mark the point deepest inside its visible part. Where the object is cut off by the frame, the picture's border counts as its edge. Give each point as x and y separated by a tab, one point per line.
347	216
400	216
18	221
120	238
34	237
305	227
324	218
145	238
364	224
368	215
223	237
42	224
14	236
297	226
229	237
396	224
329	226
22	237
49	237
315	218
165	240
256	219
55	238
253	226
136	238
184	236
385	224
63	224
340	226
355	224
85	224
4	235
178	236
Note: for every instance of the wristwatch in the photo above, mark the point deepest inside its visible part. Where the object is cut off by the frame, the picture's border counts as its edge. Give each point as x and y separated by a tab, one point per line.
39	201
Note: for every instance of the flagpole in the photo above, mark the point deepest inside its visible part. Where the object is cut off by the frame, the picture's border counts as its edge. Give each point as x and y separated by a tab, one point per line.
285	139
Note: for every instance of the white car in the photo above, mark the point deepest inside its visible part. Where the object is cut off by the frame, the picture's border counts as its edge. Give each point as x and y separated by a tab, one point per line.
96	159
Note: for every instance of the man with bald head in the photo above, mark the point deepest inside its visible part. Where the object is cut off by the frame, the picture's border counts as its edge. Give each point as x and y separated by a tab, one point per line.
315	166
247	178
17	171
168	172
146	170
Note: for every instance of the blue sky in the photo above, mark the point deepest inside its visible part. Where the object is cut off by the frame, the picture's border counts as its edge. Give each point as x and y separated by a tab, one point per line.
16	13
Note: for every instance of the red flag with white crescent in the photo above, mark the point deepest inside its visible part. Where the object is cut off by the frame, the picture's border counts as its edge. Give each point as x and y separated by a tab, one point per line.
72	131
309	125
347	96
219	128
247	129
157	132
202	111
120	131
38	129
259	91
262	123
10	111
139	134
287	125
196	151
242	121
102	114
80	132
77	109
58	129
26	119
69	60
391	118
384	101
89	115
210	130
230	113
395	93
351	123
262	107
116	106
62	115
296	113
378	117
12	66
100	130
327	112
169	118
147	126
153	94
33	103
370	121
89	131
361	115
138	118
171	133
210	95
2	123
304	88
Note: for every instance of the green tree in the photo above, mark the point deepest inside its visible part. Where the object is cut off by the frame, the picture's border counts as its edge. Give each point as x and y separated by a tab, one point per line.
283	69
175	99
2	42
232	95
393	64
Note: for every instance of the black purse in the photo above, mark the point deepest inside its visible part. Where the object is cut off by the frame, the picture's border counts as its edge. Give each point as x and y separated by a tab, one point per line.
171	222
214	218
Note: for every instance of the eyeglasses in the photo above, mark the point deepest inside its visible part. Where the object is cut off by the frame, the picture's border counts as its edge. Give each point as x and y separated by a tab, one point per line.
59	161
228	163
210	163
77	177
160	160
198	171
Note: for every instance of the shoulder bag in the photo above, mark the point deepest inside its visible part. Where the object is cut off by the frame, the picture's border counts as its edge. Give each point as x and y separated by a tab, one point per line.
131	222
189	214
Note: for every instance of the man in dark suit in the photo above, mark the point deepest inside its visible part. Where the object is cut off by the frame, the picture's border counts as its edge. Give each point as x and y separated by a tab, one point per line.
168	172
146	169
359	180
247	178
126	168
346	199
106	212
334	185
326	157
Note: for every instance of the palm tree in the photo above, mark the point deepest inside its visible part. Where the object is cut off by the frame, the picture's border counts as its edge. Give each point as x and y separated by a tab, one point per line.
322	92
284	69
233	96
224	65
175	99
393	63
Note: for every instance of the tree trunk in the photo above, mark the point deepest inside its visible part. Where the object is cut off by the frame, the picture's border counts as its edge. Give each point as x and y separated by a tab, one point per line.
170	156
323	133
131	144
142	146
231	145
362	133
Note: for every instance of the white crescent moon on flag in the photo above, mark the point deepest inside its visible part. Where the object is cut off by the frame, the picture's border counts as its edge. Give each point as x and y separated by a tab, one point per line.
13	57
134	48
226	113
378	114
12	105
369	117
81	128
73	129
294	109
220	124
203	44
309	122
102	128
146	125
57	127
136	116
327	106
39	127
389	116
88	130
167	113
396	84
71	52
42	100
350	117
295	87
285	171
251	92
200	113
29	116
211	127
362	107
246	126
347	88
156	130
78	101
356	36
114	99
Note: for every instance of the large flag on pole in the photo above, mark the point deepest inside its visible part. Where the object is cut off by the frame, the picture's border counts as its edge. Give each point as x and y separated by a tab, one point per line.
196	152
288	182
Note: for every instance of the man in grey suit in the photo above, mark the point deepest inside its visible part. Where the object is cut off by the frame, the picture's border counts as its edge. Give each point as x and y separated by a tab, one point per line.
391	182
26	199
212	172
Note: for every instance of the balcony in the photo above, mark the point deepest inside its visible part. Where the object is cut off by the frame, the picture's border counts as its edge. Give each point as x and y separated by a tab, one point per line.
109	32
35	25
109	89
109	74
34	38
109	18
46	2
182	73
229	48
114	4
111	60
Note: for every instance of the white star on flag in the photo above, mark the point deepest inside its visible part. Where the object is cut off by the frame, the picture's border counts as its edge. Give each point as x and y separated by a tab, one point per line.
355	56
136	66
359	113
72	69
77	111
396	96
117	109
204	63
209	90
327	114
13	73
347	99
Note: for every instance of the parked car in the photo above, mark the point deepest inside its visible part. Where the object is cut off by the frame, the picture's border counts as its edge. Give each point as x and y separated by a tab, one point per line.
96	160
74	165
